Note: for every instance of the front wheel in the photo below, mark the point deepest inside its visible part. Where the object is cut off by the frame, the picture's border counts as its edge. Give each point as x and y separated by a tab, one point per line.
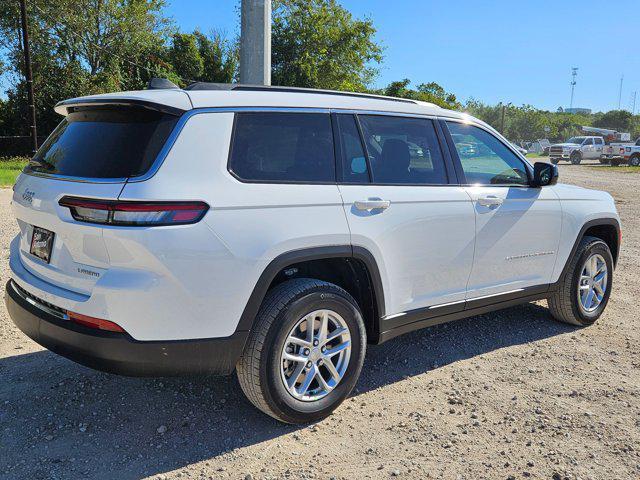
634	161
576	158
583	292
305	352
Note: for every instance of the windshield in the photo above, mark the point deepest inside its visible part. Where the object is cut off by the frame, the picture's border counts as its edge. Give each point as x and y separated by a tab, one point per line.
577	140
118	142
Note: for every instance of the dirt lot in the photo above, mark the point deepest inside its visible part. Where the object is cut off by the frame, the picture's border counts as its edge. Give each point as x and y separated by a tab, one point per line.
505	395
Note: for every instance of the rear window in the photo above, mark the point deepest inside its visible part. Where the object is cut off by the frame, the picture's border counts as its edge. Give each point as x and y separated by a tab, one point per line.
283	147
104	143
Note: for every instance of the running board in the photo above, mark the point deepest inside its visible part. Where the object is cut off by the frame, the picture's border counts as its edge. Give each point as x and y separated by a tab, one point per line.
394	325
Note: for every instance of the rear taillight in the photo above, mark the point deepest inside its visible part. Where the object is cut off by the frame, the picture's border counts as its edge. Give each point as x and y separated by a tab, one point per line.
109	212
92	322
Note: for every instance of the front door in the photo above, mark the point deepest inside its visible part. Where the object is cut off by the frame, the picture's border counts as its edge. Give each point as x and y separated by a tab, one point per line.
517	226
400	206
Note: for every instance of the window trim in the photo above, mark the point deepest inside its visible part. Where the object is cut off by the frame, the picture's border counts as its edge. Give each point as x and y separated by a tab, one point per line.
434	121
282	182
458	162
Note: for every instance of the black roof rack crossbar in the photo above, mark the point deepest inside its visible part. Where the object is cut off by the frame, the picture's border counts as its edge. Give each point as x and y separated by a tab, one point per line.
275	88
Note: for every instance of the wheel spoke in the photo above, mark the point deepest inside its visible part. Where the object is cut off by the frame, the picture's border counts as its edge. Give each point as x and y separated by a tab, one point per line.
332	370
335	334
293	379
294	358
337	349
323	382
324	327
299	341
304	386
589	299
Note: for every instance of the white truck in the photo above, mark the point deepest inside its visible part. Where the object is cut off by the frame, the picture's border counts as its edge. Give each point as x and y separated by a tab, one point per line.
577	149
619	153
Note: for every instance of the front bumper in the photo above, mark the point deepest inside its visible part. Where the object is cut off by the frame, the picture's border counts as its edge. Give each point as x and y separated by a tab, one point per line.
118	352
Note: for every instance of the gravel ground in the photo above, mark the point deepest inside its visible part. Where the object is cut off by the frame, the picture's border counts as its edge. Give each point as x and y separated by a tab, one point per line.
511	394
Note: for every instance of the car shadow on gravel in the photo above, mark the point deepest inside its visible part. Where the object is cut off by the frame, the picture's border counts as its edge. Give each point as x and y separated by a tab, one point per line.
60	419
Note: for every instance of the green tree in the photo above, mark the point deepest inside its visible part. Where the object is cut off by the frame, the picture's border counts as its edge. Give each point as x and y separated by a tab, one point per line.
620	120
219	56
185	57
318	44
426	92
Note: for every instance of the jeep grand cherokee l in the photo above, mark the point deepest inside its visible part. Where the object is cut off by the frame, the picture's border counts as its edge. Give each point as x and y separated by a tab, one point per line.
276	232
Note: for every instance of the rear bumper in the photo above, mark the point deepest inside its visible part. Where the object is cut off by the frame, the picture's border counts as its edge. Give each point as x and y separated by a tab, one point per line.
118	352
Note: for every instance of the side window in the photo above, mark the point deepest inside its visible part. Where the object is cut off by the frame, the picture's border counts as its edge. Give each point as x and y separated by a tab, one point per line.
283	147
403	150
598	141
354	163
485	159
588	141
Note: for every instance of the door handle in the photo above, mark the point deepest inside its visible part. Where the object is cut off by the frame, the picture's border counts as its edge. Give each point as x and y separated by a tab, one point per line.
490	201
372	204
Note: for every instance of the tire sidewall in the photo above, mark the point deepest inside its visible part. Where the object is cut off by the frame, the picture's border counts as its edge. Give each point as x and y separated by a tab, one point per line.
599	247
277	396
634	161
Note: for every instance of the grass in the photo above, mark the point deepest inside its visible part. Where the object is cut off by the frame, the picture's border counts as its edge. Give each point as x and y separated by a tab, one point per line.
623	169
10	167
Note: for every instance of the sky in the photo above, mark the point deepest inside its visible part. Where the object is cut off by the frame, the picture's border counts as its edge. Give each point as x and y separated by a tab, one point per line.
517	51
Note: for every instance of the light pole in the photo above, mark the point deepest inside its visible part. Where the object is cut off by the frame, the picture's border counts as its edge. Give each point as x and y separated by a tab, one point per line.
255	42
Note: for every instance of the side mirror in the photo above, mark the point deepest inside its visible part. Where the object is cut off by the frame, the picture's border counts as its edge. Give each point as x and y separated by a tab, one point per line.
544	174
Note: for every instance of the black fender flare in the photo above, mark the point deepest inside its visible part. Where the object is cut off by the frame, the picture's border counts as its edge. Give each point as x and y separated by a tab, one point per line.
306	254
592	223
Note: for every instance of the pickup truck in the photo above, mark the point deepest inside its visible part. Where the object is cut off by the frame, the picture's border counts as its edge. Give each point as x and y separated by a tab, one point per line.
618	153
577	149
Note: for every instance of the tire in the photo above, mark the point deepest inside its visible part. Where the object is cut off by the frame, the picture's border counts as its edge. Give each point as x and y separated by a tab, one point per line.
565	303
576	158
261	369
604	161
616	163
634	161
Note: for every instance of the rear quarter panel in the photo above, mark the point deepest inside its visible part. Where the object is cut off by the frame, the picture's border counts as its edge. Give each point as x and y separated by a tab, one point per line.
205	273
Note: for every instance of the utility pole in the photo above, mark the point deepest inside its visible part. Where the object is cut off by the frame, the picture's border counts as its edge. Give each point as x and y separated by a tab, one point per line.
620	91
28	74
633	103
574	74
502	119
255	42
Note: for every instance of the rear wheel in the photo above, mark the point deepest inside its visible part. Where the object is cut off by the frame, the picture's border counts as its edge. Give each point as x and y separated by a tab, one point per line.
583	292
604	161
615	163
305	353
634	161
576	158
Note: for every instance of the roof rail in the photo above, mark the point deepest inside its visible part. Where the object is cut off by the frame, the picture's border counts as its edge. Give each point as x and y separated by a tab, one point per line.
274	88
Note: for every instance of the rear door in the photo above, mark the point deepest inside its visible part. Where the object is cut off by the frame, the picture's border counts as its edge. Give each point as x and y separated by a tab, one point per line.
517	226
90	154
401	207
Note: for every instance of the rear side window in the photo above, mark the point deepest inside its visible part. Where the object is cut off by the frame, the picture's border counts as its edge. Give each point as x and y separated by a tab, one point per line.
403	150
104	143
283	147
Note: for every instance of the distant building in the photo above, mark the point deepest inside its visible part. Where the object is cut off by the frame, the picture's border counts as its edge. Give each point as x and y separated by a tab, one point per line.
583	111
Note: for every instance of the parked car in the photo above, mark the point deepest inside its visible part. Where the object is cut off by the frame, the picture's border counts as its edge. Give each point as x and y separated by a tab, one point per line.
619	153
577	149
262	230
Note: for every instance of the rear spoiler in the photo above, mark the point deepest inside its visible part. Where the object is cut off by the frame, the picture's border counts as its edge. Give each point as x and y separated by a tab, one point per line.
66	107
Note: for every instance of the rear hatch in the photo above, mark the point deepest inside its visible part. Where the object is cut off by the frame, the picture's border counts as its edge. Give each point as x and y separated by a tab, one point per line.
92	154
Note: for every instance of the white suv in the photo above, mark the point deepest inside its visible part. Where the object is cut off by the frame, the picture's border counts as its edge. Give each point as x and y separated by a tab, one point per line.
277	231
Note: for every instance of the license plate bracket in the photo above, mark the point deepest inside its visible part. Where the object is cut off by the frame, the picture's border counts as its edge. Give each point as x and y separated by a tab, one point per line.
42	243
